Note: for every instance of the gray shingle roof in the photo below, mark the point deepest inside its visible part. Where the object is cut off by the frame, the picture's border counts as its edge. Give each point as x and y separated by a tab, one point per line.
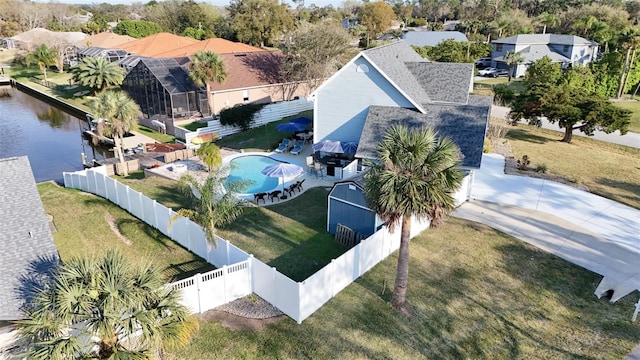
534	53
544	39
443	82
390	60
464	124
431	38
25	237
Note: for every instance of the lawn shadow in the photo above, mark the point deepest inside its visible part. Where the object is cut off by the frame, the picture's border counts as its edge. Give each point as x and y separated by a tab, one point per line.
186	269
631	193
524	135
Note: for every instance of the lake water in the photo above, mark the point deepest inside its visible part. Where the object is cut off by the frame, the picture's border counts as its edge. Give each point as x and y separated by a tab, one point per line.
51	138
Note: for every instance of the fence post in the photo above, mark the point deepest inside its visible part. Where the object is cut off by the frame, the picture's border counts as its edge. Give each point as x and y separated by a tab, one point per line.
198	277
225	271
332	274
356	262
155	215
251	280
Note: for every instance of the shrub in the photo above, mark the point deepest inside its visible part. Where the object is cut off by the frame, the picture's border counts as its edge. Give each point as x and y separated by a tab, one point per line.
240	116
417	22
503	94
541	168
523	164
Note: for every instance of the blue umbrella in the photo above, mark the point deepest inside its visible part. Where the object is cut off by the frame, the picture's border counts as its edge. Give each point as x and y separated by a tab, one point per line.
329	146
282	170
349	147
291	127
301	120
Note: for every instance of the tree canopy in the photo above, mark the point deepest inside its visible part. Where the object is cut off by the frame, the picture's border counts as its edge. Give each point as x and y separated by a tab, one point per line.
454	51
260	22
98	73
137	28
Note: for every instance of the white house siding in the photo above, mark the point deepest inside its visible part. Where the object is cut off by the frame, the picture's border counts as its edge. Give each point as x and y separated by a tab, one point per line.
340	114
583	54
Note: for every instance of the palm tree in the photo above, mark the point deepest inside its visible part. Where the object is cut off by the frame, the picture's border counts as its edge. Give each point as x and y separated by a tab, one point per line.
415	176
512	59
213	203
98	73
44	57
548	20
630	39
207	66
210	155
117	113
107	307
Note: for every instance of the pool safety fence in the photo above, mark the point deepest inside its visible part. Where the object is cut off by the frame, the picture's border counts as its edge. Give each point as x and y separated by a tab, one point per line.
239	274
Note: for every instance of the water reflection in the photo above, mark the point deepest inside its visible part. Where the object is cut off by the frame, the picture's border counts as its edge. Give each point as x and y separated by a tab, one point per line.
51	138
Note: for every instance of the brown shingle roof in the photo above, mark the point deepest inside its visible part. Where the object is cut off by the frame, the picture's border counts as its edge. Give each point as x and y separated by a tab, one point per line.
217	45
153	45
250	69
105	40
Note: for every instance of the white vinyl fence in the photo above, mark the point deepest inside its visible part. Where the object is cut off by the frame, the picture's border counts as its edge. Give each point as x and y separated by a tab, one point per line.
269	113
239	274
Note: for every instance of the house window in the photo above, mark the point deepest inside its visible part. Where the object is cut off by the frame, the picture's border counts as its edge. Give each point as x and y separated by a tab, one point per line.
362	68
566	48
498	47
245	95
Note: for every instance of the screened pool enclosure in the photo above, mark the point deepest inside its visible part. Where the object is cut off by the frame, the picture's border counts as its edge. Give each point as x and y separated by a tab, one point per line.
162	89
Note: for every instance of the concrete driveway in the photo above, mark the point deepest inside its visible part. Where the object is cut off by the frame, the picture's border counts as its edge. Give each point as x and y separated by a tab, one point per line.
585	229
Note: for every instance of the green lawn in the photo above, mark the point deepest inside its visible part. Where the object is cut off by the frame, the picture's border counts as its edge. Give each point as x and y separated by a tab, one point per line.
290	236
82	229
477	294
609	170
265	137
634	107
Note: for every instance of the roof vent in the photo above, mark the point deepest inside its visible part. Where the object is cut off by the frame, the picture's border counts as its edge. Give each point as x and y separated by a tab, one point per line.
362	68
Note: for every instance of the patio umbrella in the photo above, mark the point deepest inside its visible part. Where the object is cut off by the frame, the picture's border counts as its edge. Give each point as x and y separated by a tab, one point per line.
282	170
291	127
329	146
349	147
301	120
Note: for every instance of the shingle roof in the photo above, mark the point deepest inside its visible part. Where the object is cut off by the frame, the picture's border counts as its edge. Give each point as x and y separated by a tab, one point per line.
105	40
217	45
250	69
390	60
431	38
153	45
544	39
464	124
534	53
443	82
25	237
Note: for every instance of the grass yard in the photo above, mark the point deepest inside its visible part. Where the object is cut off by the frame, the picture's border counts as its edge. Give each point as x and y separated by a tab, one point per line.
609	170
477	294
634	107
290	236
263	138
82	229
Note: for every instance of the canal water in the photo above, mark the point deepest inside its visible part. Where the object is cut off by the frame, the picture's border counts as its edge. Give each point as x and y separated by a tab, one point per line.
51	138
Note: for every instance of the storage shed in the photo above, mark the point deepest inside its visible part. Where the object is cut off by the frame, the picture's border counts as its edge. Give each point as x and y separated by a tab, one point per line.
348	206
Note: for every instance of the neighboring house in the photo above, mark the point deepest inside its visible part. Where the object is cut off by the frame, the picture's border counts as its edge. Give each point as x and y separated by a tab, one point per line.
431	38
156	44
33	38
105	40
568	50
390	85
28	251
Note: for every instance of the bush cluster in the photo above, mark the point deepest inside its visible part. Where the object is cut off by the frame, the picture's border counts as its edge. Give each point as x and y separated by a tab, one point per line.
240	116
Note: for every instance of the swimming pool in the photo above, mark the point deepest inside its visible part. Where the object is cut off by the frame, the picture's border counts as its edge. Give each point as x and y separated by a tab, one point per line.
249	168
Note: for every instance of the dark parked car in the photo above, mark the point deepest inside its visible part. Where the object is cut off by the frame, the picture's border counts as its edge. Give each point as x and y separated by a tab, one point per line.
499	72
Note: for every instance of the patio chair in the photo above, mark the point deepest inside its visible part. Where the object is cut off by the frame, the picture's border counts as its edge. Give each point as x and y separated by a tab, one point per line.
275	194
284	146
298	148
260	196
291	189
299	184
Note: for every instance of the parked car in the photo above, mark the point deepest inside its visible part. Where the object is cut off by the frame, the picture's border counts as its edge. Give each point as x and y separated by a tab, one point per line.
483	62
486	71
499	72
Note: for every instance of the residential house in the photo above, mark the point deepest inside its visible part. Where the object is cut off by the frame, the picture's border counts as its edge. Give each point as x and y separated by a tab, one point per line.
154	45
105	40
431	38
393	85
33	38
28	251
568	50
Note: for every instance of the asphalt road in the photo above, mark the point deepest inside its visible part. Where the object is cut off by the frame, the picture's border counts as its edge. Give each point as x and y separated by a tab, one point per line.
629	139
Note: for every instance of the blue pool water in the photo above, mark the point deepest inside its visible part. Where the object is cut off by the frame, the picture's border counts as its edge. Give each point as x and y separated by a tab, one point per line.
249	168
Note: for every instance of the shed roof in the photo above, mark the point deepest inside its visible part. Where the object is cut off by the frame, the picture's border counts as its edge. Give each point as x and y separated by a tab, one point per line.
464	124
431	38
156	44
27	245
